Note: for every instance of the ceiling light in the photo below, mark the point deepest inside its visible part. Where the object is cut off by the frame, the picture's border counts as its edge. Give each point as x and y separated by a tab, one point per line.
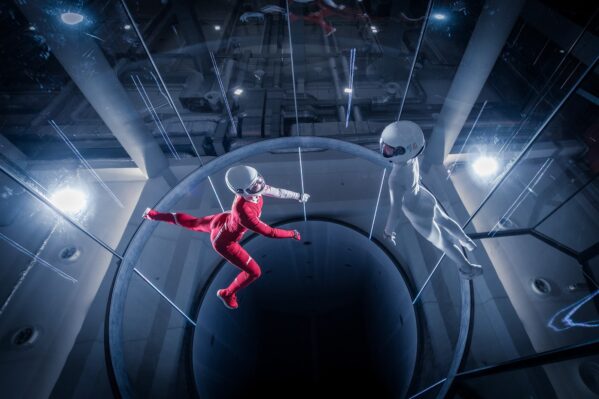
374	29
69	200
347	90
216	27
485	166
127	27
31	27
439	16
71	18
238	91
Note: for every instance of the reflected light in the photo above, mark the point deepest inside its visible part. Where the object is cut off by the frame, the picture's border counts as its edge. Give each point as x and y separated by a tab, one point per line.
127	27
439	16
347	90
69	200
216	27
71	18
564	319
374	29
238	92
485	166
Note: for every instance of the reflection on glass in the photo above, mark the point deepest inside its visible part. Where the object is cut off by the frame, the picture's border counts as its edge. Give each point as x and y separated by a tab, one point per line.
535	299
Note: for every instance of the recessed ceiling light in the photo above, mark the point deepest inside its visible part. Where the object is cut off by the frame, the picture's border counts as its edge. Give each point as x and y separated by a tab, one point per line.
485	166
31	27
127	27
69	200
71	18
347	90
439	16
216	27
238	91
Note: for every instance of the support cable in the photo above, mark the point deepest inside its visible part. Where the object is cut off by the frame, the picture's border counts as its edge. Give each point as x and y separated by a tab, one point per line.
223	92
140	274
376	208
297	131
420	39
352	63
168	94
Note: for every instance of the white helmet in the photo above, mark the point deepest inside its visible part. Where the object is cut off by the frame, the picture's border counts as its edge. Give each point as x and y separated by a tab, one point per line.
245	180
402	141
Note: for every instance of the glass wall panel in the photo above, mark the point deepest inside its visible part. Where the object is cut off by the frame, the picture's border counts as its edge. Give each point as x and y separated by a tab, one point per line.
534	298
576	223
557	166
533	73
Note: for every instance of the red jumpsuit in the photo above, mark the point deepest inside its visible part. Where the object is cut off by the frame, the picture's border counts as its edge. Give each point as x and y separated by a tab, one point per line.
226	230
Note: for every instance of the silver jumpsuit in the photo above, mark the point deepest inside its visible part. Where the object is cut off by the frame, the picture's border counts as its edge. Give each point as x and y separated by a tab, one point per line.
424	213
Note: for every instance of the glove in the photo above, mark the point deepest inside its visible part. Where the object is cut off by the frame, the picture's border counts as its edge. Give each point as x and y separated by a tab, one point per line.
304	198
390	237
296	235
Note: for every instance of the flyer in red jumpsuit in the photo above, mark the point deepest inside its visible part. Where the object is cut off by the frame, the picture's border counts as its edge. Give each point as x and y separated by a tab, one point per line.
227	229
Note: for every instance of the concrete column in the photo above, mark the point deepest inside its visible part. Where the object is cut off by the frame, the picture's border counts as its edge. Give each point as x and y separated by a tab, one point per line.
488	38
85	63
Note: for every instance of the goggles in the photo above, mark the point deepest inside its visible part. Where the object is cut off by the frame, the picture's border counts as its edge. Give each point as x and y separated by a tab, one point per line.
389	152
257	186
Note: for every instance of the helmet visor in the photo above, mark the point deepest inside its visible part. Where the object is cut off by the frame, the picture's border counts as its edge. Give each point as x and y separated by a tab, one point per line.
257	186
389	152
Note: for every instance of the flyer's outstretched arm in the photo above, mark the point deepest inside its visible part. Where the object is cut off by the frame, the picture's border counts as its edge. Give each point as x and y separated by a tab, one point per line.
270	191
395	196
250	220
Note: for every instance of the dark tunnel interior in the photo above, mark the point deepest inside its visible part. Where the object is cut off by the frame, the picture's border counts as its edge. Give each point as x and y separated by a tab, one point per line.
329	316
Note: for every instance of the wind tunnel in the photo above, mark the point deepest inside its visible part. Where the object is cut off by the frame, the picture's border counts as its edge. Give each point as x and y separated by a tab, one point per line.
331	315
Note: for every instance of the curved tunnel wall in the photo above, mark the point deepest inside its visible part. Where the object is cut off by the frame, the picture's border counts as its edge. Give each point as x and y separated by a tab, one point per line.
331	315
119	290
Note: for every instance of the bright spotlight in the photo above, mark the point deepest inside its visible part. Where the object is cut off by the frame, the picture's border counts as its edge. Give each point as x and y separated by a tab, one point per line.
238	91
485	166
69	200
71	18
347	90
216	27
439	16
127	27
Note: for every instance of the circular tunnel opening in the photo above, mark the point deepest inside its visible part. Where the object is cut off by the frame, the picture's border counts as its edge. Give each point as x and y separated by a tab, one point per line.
330	318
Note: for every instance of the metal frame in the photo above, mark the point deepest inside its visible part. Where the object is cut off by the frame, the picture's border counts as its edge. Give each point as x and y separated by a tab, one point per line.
538	359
